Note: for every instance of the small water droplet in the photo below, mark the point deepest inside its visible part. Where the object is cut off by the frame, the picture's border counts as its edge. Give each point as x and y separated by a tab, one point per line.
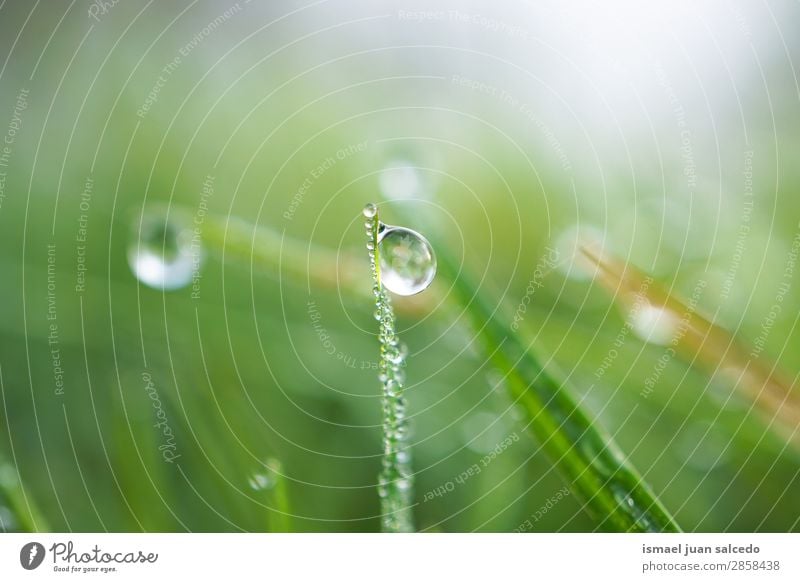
260	482
7	521
370	210
408	264
702	446
483	432
163	254
399	375
391	388
383	487
623	497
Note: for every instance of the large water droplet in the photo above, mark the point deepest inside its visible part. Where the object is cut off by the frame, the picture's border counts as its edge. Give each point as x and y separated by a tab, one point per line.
408	264
163	254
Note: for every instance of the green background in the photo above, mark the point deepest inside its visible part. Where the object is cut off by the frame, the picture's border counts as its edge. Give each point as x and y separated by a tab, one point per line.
520	121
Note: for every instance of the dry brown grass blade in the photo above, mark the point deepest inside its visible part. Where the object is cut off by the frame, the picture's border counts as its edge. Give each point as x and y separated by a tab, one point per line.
302	263
705	344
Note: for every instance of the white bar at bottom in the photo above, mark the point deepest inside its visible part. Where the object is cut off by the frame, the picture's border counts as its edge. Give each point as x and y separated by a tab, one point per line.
379	558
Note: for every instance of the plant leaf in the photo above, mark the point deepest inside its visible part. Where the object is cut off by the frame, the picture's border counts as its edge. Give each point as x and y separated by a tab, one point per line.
594	467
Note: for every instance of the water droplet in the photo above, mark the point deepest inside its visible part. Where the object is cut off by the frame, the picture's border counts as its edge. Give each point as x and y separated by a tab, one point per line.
7	521
370	210
260	482
408	264
395	357
163	254
383	487
400	180
391	387
655	325
399	374
702	446
483	432
623	497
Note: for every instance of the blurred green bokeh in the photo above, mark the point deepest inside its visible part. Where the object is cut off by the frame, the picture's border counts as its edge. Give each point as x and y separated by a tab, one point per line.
673	131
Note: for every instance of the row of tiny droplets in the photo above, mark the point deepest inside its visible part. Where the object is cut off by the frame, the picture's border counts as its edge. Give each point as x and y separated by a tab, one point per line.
395	485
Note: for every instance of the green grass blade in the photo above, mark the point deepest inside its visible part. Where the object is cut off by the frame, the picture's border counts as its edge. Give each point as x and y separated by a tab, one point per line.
273	492
596	470
594	467
396	481
20	502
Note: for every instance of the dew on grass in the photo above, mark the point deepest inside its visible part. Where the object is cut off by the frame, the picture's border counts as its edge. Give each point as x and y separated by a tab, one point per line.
162	253
260	482
655	325
395	484
370	210
623	497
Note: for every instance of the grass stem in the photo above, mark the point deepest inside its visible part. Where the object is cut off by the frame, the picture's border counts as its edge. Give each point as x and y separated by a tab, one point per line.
396	480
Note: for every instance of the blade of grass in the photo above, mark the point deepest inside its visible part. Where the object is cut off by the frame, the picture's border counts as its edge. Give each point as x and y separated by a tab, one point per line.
594	467
272	484
20	502
396	481
702	343
303	262
596	470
